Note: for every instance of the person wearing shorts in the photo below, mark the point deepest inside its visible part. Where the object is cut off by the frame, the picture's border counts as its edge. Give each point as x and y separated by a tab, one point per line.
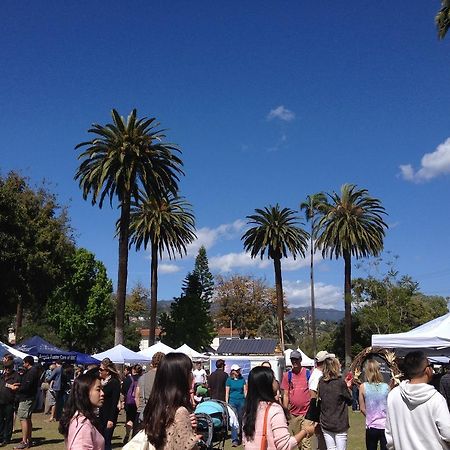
26	394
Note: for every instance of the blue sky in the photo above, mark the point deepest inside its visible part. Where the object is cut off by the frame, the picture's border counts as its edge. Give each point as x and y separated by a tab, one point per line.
270	101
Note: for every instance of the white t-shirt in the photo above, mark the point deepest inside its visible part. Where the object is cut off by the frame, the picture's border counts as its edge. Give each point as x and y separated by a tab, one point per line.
199	375
313	382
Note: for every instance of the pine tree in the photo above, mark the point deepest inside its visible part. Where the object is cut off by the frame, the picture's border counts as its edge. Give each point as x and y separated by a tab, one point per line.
190	320
205	277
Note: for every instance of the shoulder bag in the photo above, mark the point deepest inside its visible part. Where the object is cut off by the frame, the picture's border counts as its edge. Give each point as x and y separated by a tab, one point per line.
139	442
313	412
264	435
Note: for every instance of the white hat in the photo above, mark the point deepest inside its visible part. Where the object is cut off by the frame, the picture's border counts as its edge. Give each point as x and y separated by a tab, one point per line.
323	355
235	367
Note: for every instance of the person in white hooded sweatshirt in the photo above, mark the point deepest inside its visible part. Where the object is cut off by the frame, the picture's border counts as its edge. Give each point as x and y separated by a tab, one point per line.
417	414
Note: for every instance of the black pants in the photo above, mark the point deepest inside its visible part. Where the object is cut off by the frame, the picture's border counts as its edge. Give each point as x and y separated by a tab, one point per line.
373	436
6	422
59	405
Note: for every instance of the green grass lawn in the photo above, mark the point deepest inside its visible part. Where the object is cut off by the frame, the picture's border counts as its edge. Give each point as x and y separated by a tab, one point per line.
46	436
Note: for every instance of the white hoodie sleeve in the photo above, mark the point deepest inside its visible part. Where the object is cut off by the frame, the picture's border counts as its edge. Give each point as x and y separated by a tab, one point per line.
388	432
442	418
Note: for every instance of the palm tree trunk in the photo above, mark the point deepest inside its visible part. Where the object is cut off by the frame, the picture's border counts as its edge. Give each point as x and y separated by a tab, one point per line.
280	303
123	269
313	305
153	294
348	308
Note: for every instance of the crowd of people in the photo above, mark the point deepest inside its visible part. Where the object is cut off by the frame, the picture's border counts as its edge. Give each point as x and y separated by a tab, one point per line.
307	410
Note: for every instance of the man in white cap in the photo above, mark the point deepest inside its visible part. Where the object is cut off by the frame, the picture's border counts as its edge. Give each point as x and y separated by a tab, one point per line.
313	384
296	398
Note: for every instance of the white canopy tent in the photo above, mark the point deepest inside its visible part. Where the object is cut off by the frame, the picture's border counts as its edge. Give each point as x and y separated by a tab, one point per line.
158	347
122	355
306	360
432	337
191	352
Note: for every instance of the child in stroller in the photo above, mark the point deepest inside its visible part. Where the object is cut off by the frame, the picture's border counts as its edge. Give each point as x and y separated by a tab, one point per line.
214	420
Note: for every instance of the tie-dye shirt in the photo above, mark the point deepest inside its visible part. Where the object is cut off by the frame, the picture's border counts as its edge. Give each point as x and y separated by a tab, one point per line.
376	404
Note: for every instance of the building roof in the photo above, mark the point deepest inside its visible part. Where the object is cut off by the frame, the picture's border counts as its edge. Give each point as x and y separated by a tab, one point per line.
247	346
146	331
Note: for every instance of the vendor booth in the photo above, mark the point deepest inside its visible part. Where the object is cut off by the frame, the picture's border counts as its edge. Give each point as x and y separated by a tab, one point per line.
36	346
432	337
249	353
122	355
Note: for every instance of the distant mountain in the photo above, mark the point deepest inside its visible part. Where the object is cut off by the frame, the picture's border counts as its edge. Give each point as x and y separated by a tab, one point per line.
332	315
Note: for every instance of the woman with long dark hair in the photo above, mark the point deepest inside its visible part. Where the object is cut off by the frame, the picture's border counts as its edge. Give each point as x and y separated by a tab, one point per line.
167	421
109	411
79	423
264	418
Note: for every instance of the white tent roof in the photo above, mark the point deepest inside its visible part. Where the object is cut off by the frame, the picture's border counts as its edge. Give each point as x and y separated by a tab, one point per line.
434	334
121	355
158	347
13	351
306	360
190	352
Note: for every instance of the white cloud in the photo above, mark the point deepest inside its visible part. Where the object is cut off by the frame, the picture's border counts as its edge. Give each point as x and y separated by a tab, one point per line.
298	293
228	262
282	113
209	236
168	268
432	165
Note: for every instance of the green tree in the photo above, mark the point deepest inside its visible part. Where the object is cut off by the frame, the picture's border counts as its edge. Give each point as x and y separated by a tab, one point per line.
392	305
312	206
168	224
35	247
80	308
137	304
190	320
277	232
122	158
201	269
352	225
246	302
443	19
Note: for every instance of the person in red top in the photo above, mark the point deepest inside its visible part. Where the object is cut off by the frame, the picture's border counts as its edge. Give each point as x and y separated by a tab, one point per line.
296	397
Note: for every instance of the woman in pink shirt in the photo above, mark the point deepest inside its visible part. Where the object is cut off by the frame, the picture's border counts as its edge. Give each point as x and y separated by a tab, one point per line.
261	406
79	422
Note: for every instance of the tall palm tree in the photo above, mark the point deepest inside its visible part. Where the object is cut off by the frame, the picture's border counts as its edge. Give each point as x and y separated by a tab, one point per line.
168	224
352	225
312	207
123	157
277	232
443	19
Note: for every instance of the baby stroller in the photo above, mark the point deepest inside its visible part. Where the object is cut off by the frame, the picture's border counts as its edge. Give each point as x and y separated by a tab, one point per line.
212	423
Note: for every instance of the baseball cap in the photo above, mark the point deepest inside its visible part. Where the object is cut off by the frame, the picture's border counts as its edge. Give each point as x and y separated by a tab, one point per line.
235	367
323	355
296	355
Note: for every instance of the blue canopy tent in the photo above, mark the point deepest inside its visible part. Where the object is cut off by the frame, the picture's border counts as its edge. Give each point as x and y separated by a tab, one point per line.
36	346
18	355
83	358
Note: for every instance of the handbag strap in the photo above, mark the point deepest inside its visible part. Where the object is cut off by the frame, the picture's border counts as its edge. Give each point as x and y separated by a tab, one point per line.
264	435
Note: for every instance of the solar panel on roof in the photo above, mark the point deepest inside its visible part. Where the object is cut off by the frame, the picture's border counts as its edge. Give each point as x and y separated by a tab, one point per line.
247	346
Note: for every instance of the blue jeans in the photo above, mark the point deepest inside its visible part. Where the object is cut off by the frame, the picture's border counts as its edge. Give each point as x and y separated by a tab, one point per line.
238	405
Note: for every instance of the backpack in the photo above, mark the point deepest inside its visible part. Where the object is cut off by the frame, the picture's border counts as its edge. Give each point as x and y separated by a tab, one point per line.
129	400
308	375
